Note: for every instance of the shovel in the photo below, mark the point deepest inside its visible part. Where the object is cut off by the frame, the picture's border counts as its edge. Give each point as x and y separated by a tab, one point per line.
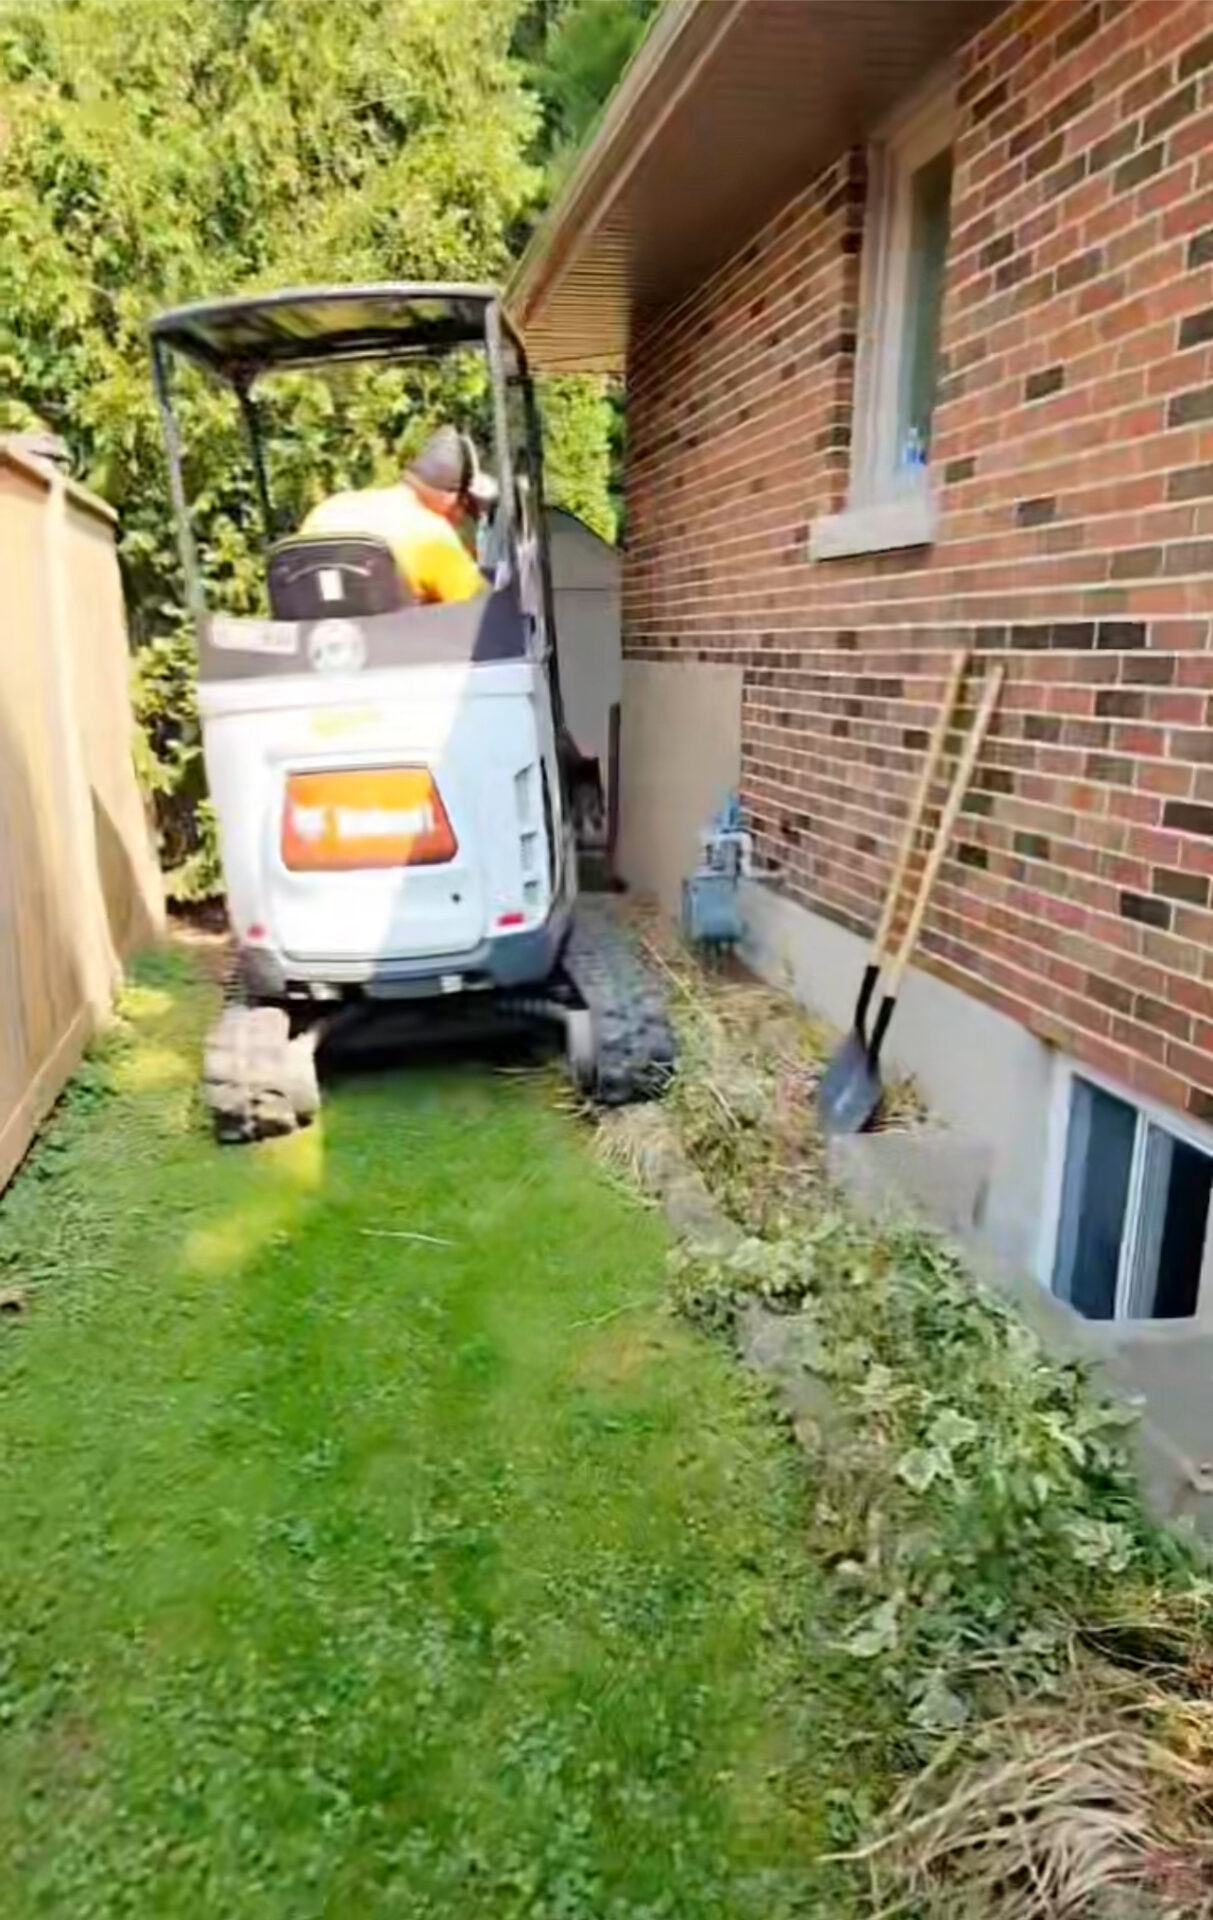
851	1090
846	1068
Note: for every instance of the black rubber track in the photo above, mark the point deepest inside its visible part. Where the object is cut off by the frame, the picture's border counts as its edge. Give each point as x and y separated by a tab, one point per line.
636	1050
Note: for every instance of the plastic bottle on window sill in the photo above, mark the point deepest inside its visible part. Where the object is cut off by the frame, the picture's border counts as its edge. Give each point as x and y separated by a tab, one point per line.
914	453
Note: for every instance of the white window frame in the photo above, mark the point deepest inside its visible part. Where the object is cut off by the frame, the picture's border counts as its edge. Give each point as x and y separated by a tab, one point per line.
1149	1114
887	509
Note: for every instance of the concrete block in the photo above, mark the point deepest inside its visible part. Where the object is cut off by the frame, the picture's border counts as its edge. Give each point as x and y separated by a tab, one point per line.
936	1175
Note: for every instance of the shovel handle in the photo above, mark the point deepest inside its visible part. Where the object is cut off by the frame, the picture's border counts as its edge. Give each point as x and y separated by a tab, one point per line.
935	746
939	847
871	975
880	1028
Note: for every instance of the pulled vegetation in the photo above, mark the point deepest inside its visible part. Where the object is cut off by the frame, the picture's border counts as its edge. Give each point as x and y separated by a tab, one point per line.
1023	1657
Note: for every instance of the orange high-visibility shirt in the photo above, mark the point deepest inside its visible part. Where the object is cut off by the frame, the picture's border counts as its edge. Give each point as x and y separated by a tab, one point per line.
432	559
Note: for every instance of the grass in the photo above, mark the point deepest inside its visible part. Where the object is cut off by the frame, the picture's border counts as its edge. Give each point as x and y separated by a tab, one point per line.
343	1573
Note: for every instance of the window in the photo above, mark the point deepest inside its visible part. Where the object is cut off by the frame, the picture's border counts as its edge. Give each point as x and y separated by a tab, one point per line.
912	405
905	252
1132	1238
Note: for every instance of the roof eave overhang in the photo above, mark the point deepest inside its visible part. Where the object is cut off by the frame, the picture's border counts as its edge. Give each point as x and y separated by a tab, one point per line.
727	110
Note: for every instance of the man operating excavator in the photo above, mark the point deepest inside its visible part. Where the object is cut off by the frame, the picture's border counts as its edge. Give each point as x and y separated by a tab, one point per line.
418	517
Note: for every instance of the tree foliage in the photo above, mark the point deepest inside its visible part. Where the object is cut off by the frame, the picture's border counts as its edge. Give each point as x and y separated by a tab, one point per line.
577	50
580	49
578	468
155	151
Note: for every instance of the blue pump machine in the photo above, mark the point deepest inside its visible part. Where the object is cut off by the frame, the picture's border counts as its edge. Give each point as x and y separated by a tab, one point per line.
711	906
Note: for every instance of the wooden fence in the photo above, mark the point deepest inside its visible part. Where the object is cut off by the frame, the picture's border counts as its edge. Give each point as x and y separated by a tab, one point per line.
79	887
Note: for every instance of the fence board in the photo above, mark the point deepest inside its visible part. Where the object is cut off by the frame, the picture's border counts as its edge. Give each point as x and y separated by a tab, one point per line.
78	882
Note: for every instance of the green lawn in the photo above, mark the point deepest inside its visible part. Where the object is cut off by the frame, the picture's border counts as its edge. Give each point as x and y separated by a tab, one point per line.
347	1574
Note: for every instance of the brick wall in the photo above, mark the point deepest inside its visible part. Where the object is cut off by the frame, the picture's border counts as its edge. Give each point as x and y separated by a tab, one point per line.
1074	447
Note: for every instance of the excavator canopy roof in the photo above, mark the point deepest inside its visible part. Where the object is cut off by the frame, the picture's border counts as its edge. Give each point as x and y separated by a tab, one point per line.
240	338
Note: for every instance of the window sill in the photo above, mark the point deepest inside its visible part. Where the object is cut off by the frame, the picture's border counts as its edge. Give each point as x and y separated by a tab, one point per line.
901	523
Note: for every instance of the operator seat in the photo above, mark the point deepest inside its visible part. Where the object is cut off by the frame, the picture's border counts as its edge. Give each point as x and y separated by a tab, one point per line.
334	576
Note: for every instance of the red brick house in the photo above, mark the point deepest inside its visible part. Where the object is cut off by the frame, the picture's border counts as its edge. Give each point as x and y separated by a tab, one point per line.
914	302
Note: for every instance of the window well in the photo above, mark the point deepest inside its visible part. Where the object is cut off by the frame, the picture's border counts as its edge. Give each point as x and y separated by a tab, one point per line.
1133	1240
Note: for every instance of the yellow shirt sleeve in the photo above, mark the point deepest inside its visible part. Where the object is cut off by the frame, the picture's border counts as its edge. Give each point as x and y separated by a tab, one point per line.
445	570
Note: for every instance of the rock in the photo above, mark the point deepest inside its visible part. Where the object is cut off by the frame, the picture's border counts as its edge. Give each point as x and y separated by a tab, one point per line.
696	1218
783	1346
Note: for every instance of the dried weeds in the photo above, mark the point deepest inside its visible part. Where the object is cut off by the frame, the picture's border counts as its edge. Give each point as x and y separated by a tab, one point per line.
1083	1809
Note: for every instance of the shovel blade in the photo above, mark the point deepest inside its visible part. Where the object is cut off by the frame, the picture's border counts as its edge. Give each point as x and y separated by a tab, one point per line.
851	1089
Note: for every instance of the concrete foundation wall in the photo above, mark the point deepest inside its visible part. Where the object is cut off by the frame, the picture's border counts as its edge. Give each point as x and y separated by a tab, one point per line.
986	1077
586	587
680	754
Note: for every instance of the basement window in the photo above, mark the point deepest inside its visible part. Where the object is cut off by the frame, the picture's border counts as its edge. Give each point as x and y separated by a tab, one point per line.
1132	1238
905	248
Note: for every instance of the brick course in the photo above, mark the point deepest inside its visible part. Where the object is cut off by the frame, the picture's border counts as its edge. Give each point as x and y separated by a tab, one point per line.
1073	449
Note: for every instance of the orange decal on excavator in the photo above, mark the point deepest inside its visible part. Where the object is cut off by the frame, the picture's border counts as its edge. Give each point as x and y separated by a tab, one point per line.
347	818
